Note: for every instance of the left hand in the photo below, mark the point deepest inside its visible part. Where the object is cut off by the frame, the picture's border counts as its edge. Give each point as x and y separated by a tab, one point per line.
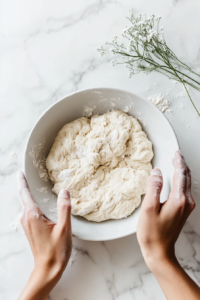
50	243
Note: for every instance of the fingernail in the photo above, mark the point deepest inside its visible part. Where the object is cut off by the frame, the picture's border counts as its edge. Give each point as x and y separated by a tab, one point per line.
178	154
156	172
64	193
179	159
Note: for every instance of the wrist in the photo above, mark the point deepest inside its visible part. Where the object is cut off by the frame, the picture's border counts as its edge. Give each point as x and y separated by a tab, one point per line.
41	282
49	274
158	265
158	258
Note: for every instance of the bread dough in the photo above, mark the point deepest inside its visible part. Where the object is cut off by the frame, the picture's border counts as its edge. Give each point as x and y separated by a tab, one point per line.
104	162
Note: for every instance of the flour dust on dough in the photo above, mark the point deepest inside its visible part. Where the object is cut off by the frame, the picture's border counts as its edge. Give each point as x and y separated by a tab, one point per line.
104	162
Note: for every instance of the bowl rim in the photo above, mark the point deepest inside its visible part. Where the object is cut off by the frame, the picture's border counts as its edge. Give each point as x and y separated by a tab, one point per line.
90	90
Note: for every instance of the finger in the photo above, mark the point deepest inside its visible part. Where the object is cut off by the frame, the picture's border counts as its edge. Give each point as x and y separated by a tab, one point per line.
179	179
25	195
64	209
28	203
189	197
186	203
21	181
154	188
188	184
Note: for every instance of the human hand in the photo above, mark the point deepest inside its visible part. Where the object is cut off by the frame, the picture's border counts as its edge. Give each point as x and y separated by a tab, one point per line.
160	224
50	243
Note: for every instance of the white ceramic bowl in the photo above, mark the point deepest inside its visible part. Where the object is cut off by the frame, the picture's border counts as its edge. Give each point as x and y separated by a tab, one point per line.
70	108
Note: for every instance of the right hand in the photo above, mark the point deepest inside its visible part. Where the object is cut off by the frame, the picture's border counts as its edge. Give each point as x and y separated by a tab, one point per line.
50	243
160	224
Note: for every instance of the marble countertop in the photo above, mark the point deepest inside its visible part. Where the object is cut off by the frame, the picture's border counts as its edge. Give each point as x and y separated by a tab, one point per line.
47	51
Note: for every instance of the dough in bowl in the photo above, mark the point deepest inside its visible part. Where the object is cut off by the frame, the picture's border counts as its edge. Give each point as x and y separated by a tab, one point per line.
104	162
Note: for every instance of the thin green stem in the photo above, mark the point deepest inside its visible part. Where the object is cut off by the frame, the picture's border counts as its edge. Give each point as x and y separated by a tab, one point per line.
188	94
191	99
151	53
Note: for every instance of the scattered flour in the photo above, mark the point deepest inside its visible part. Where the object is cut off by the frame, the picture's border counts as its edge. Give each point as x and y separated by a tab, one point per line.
96	92
103	100
181	95
67	174
72	260
142	122
88	111
162	103
16	223
45	200
54	210
43	190
39	160
127	109
196	186
13	154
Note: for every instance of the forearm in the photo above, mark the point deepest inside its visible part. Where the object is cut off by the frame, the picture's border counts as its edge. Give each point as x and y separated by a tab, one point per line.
39	285
174	281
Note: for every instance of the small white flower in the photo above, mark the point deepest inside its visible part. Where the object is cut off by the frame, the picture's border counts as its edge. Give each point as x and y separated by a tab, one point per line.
129	49
161	39
147	27
112	51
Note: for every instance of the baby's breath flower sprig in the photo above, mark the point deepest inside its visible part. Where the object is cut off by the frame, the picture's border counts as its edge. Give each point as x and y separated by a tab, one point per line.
145	50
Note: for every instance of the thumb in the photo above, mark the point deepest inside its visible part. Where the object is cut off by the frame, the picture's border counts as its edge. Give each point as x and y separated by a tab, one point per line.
64	209
154	188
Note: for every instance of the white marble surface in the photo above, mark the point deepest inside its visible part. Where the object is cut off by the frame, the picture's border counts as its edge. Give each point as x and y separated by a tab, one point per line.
47	50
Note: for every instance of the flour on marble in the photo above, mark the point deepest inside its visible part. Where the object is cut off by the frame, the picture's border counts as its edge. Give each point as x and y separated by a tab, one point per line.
13	154
162	103
181	95
16	223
